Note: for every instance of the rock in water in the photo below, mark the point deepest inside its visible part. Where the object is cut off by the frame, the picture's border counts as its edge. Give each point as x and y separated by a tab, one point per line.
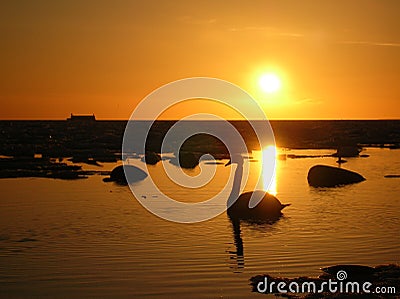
133	174
188	160
151	158
347	151
392	176
185	160
354	272
328	176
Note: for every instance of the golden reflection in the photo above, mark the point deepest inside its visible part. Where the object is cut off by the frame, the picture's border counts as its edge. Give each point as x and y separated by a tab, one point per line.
268	160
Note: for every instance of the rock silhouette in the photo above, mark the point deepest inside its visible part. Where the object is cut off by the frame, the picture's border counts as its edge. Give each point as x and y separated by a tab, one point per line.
328	176
151	158
347	151
133	174
187	160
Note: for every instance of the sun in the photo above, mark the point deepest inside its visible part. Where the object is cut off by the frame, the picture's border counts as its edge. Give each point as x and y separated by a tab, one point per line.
270	83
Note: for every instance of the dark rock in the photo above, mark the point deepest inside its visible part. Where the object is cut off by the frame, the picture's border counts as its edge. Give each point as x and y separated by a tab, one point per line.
151	158
347	151
186	160
126	174
392	176
293	156
86	160
328	176
354	272
39	167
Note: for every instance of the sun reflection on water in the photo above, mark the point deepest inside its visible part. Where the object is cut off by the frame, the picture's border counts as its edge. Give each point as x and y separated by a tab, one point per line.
267	160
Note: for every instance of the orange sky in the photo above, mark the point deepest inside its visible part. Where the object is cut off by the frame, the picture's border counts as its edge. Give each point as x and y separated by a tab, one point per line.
336	59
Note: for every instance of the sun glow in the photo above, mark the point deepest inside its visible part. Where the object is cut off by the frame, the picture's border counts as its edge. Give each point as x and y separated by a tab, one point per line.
270	83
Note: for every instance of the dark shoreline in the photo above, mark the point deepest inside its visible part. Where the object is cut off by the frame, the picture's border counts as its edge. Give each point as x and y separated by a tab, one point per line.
103	139
38	147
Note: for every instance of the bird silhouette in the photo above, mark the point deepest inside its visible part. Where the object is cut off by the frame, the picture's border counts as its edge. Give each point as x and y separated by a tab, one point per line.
268	208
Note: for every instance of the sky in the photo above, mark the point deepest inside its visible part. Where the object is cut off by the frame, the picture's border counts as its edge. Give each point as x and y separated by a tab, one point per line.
335	59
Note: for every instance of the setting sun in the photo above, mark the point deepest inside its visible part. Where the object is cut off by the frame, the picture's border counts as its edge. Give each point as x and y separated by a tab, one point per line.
270	83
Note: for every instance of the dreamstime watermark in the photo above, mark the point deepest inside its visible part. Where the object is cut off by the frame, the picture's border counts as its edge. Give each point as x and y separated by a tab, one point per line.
322	286
152	106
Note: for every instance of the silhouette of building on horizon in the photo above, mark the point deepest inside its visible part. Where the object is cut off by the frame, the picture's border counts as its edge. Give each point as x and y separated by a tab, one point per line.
82	118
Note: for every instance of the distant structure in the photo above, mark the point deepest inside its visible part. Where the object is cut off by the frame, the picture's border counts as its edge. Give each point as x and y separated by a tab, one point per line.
82	118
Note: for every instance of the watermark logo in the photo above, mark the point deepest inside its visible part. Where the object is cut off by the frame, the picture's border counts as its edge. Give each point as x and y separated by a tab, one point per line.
153	105
318	285
341	275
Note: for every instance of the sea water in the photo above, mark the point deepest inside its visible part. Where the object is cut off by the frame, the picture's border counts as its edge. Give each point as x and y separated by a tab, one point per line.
87	238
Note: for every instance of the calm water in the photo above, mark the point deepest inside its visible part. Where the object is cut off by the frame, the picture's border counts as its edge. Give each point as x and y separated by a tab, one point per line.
86	238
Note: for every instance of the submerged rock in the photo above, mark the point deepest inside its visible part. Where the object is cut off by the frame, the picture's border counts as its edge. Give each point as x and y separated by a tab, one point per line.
328	176
392	176
86	160
39	167
126	174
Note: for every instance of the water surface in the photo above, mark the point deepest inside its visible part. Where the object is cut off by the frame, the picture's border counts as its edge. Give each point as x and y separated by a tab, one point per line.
87	238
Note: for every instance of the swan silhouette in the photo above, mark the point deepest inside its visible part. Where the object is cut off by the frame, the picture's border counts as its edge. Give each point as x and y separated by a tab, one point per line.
266	212
268	209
